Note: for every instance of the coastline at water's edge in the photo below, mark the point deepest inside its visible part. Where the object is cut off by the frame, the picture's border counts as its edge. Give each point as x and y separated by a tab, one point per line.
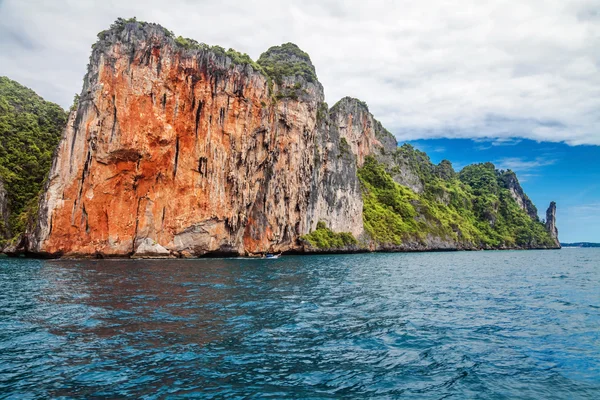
311	252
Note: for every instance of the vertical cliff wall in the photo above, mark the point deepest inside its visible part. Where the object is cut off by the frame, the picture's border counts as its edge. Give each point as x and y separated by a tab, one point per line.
516	191
180	148
347	133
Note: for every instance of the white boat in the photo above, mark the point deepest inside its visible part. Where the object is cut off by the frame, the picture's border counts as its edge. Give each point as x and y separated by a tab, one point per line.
273	255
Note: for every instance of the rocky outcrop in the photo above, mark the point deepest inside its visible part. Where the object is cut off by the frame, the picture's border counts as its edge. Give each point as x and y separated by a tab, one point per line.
192	151
363	134
178	149
551	223
346	134
150	249
335	197
516	191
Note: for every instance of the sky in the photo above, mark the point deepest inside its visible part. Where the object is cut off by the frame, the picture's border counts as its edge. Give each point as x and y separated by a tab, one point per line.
513	82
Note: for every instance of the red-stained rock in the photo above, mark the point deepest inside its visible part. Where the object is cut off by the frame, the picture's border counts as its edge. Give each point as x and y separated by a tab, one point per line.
190	152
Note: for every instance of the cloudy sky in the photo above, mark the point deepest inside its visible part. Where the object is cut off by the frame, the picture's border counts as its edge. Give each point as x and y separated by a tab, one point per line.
496	71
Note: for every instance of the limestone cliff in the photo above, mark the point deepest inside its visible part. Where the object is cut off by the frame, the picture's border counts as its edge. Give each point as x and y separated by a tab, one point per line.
182	148
551	223
516	191
179	149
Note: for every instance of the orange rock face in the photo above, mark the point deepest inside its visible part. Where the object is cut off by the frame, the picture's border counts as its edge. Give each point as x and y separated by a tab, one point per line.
182	152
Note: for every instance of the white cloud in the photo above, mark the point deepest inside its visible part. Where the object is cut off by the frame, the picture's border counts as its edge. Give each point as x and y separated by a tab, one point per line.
496	142
438	68
526	177
582	213
506	142
522	164
586	208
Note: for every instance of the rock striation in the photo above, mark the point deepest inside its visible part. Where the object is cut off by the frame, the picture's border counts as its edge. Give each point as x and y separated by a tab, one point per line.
178	149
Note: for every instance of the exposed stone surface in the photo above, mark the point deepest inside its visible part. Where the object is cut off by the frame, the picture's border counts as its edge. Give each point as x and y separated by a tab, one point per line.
551	222
403	172
363	133
335	191
516	191
149	249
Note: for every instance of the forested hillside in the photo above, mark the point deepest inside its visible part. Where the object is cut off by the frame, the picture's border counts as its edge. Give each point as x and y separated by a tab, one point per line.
30	129
473	208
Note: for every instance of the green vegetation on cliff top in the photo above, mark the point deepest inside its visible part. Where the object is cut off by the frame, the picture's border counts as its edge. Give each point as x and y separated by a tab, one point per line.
472	208
185	43
287	60
30	129
276	63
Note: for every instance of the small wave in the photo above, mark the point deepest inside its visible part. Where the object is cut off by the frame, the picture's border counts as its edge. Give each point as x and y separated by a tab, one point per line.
305	327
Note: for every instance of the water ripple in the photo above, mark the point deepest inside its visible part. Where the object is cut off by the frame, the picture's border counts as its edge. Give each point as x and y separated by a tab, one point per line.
439	325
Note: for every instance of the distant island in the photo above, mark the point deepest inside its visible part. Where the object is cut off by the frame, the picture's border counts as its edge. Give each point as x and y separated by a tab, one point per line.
179	149
580	244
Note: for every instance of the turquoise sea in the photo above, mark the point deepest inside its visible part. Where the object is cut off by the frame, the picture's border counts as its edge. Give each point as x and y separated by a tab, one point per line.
481	325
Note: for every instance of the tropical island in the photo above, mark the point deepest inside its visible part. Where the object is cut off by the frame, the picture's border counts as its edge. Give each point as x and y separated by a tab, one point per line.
175	148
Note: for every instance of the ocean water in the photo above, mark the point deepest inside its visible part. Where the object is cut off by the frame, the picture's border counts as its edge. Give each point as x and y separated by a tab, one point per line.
483	325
